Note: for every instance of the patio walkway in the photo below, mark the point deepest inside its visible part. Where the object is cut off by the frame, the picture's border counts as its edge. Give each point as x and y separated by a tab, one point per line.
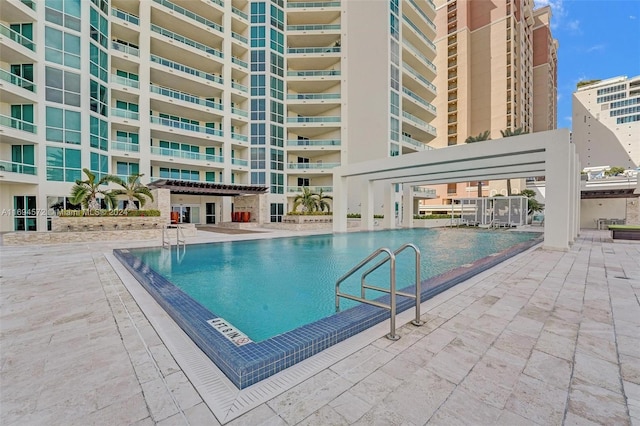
546	338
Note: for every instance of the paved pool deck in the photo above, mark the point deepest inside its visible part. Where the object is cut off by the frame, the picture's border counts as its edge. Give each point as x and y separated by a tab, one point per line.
546	338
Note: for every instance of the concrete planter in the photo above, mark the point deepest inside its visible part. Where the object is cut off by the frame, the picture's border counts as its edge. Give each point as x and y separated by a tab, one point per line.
106	223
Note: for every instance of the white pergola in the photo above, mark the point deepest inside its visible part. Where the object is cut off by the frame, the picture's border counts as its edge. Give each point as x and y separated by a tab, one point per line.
550	154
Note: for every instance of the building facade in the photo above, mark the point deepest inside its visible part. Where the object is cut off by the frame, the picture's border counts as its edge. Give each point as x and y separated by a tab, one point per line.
222	91
606	123
497	61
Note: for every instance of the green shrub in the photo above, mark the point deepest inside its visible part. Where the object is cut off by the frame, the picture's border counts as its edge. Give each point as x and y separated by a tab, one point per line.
435	216
309	213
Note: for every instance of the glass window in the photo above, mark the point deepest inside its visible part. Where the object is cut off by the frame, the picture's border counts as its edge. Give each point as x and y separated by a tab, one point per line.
395	103
277	211
277	135
277	17
62	87
22	112
258	133
258	85
63	126
277	88
257	178
25	213
99	133
277	112
98	62
63	12
277	183
258	12
277	159
98	98
99	164
258	107
257	60
258	158
62	48
99	28
258	36
277	64
63	164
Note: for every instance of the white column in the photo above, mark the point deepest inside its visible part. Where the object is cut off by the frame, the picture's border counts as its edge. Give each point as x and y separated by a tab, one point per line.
366	206
578	168
558	195
339	203
389	211
572	197
407	206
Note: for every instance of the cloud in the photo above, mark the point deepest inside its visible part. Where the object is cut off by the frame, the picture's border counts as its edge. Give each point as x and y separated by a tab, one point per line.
632	17
557	10
595	47
574	26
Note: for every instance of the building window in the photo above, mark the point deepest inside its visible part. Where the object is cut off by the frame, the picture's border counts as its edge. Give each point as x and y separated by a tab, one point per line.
258	108
258	135
277	18
452	188
99	133
277	112
395	129
103	5
98	98
65	13
98	62
99	28
124	170
62	87
277	211
257	178
277	135
99	164
63	164
258	85
63	126
257	60
62	48
258	158
180	174
258	13
23	113
277	183
277	88
25	213
277	41
258	36
277	64
277	159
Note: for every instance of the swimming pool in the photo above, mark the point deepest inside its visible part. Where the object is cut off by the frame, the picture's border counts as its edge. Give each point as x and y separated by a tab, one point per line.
257	307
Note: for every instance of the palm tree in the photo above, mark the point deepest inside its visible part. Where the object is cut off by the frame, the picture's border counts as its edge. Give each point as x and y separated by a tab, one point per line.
484	136
134	190
85	192
322	201
505	134
308	200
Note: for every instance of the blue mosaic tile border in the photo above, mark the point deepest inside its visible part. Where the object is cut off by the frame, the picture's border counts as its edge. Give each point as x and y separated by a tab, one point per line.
253	362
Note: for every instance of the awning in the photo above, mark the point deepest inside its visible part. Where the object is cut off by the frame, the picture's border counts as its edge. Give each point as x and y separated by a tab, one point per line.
206	188
607	193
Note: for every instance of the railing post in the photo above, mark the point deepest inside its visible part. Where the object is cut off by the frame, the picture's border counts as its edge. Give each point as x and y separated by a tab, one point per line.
392	278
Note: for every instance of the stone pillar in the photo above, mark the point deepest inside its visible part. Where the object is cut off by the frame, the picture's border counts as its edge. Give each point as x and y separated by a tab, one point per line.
558	195
340	193
389	221
633	211
407	206
366	206
161	201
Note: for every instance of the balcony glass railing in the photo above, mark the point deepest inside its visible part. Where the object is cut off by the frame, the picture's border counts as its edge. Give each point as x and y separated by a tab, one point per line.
312	166
177	37
314	142
17	124
16	80
419	54
240	62
239	137
416	143
185	126
304	4
17	37
239	37
218	2
308	73
330	49
125	113
428	191
186	69
125	16
422	123
240	13
30	3
240	87
316	189
420	33
326	27
418	99
184	12
125	146
125	81
240	111
419	76
424	15
187	155
21	168
316	119
186	97
302	96
129	50
239	162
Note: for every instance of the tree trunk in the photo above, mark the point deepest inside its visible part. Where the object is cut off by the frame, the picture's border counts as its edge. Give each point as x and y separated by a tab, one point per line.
131	205
479	189
509	187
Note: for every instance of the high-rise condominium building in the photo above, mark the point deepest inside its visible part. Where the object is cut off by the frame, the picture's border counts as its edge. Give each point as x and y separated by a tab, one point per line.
222	92
606	123
497	64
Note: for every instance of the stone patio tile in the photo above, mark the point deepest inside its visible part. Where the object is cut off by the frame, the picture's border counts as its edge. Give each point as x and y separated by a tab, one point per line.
301	401
596	371
350	406
159	400
453	363
438	340
261	415
463	408
164	360
515	343
549	369
324	416
418	398
625	328
125	411
525	326
630	368
632	392
182	390
382	416
597	404
360	364
201	415
629	346
572	419
509	418
375	387
537	401
597	347
562	328
556	345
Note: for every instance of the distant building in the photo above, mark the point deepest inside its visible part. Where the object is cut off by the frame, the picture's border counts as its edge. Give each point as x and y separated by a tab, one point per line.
606	123
497	64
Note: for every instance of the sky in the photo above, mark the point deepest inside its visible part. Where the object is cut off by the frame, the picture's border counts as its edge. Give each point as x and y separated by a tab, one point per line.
598	39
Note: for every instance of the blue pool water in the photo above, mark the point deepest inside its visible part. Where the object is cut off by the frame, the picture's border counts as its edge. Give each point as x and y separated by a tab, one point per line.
268	287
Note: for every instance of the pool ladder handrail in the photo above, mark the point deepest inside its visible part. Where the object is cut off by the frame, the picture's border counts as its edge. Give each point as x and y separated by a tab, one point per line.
391	258
166	239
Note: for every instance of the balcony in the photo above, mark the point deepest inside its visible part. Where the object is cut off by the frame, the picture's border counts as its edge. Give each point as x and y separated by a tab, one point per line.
427	130
187	155
318	119
127	50
239	13
20	168
186	69
16	123
418	59
17	37
186	41
18	90
314	73
420	101
239	162
312	4
315	28
313	50
312	166
15	47
176	124
124	81
240	111
419	77
125	16
421	35
238	86
420	146
190	15
125	113
239	62
312	96
185	97
314	142
239	137
314	189
239	37
125	146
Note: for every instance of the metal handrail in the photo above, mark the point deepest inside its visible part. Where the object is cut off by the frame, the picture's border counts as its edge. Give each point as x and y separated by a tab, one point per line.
392	279
416	296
